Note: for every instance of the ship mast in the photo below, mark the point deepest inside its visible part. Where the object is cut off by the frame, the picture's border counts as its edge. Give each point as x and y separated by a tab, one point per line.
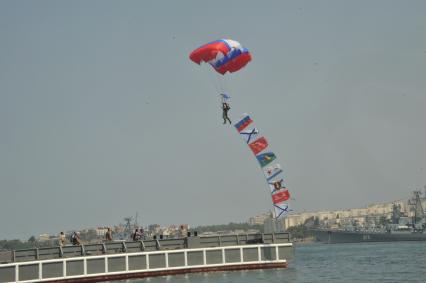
424	192
416	207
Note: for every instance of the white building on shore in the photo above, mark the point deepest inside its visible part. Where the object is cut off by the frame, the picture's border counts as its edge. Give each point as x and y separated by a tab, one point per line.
334	218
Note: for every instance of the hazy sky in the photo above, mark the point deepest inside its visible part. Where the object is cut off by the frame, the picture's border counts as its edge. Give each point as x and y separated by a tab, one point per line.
103	115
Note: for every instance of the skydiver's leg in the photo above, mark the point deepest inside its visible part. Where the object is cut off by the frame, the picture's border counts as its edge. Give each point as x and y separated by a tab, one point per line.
224	117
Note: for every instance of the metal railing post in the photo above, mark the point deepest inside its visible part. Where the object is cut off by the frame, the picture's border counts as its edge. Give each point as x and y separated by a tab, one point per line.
85	266
64	268
106	264
40	271
259	254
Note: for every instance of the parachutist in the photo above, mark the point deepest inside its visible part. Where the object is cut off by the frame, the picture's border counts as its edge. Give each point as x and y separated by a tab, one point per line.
225	109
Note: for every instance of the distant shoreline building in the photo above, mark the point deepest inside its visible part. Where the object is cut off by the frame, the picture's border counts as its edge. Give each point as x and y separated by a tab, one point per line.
370	216
260	218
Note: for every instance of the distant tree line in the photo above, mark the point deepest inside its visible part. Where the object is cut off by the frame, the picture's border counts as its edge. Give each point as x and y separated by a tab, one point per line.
299	232
15	245
21	245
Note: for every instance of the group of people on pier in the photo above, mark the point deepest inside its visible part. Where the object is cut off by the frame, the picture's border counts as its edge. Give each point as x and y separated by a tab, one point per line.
75	239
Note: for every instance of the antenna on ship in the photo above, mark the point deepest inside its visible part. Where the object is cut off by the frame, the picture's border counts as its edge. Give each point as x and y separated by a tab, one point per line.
424	192
128	226
416	207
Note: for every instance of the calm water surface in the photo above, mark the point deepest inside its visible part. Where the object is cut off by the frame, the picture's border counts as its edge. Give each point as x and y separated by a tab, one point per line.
340	263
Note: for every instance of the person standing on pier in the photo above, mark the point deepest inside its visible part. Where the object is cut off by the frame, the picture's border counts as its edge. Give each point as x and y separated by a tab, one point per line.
75	238
61	239
108	235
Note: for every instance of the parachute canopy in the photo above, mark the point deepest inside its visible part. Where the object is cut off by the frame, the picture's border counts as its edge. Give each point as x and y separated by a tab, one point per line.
224	55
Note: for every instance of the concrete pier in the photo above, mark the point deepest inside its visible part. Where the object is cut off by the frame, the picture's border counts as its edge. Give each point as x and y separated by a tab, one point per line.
123	260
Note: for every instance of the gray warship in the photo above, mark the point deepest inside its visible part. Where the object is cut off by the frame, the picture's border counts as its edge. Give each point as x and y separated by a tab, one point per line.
409	226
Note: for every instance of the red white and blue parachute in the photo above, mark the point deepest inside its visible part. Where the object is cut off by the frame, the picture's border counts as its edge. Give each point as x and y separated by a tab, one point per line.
267	160
224	55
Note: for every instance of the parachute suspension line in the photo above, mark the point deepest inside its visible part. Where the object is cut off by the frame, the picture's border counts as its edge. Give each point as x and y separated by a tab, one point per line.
213	78
224	80
220	83
218	80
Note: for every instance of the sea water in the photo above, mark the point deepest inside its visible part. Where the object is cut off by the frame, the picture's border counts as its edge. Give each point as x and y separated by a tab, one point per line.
339	263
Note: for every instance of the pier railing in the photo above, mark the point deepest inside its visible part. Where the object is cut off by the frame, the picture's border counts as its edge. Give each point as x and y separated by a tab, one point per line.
118	247
121	260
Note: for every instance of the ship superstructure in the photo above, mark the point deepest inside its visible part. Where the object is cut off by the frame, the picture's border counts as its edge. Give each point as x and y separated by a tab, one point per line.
401	225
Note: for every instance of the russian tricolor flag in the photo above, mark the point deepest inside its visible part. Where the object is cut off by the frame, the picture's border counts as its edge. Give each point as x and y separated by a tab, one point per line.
243	123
